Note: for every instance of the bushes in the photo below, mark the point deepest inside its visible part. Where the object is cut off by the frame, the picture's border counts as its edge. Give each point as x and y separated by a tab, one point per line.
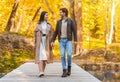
11	60
14	51
115	50
97	55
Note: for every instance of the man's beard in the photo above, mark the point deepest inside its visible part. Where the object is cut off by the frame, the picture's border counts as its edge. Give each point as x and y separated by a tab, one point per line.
62	17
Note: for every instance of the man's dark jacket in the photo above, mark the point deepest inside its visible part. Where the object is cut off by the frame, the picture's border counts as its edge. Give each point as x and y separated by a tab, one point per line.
71	29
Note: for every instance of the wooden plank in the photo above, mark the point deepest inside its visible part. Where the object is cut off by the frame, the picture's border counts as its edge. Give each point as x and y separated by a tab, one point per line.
28	72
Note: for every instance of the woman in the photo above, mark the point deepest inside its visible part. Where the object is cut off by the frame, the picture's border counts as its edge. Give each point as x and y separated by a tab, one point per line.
43	51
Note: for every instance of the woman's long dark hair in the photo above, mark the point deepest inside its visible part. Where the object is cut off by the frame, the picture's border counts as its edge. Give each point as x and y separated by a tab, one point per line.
42	16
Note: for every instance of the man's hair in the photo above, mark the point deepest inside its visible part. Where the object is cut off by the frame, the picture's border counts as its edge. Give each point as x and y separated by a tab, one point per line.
64	10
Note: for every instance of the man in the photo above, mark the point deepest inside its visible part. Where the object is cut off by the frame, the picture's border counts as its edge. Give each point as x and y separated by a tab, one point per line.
64	29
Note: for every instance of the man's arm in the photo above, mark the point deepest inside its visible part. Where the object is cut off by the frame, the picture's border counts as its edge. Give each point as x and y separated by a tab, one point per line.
55	33
74	29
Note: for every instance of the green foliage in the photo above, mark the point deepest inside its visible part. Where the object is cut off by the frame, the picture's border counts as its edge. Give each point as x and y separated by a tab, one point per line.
93	43
11	60
97	59
115	48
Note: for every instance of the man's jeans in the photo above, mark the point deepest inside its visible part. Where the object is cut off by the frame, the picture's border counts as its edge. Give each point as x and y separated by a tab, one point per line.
66	48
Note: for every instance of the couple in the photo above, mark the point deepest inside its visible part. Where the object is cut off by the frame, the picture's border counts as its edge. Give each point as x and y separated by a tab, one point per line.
44	41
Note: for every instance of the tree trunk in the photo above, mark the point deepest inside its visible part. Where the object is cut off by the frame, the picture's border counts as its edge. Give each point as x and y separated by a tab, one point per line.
51	11
28	28
47	4
72	11
19	23
72	15
114	36
20	19
112	23
11	22
78	16
106	29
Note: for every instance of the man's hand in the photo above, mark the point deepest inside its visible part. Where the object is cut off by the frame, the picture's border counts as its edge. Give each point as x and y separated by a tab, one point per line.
52	44
75	46
75	43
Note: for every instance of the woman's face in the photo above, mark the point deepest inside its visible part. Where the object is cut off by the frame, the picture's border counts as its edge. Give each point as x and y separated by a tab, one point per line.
46	16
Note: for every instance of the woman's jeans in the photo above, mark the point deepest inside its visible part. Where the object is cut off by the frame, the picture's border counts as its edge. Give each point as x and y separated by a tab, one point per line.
65	48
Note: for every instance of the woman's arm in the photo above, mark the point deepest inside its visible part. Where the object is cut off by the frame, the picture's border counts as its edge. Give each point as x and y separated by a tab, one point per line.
35	33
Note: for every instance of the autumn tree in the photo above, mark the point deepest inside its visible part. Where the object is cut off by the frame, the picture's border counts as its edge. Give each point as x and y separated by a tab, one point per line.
11	22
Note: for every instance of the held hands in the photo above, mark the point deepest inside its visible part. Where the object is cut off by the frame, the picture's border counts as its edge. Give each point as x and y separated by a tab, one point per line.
75	43
52	44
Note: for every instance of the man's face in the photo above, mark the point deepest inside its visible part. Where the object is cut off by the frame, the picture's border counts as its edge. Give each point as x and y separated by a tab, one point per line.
62	14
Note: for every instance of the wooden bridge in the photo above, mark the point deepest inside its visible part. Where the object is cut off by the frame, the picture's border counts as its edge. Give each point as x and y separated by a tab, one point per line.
28	72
